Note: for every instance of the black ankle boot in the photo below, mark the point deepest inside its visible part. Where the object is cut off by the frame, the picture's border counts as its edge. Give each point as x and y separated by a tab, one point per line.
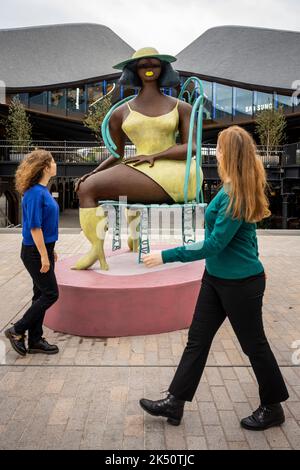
264	417
169	407
16	340
42	346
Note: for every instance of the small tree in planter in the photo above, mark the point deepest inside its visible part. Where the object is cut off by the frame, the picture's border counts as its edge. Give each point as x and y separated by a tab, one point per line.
95	116
18	128
270	127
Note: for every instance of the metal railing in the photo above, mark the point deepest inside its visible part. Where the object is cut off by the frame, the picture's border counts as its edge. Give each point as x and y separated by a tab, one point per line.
81	152
62	151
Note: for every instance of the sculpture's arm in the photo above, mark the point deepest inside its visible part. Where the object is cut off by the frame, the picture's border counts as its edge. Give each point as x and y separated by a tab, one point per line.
118	136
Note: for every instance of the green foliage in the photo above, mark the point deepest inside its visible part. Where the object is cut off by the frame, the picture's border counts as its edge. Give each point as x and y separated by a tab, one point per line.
270	126
95	116
17	126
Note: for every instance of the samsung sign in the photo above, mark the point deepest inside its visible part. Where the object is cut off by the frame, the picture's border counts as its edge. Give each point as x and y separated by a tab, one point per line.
259	107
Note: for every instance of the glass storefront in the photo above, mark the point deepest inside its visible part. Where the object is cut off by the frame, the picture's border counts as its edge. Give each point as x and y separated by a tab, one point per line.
76	101
284	102
94	92
208	99
262	101
242	102
221	102
38	101
296	100
57	101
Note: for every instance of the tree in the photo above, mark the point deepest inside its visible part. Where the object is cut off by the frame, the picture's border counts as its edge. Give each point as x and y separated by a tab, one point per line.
270	126
96	114
17	126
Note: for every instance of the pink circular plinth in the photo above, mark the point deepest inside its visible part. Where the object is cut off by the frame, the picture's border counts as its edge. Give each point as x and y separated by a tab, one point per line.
127	300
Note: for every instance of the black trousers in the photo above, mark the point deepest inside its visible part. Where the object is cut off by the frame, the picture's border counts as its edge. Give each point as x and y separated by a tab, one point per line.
45	292
241	300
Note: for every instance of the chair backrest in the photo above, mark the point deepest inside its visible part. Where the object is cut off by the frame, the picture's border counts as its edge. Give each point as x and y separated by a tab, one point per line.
195	97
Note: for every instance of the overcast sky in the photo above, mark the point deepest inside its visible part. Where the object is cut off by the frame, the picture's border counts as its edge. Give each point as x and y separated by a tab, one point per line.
168	25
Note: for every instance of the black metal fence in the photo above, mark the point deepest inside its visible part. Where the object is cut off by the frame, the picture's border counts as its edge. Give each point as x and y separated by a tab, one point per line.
92	152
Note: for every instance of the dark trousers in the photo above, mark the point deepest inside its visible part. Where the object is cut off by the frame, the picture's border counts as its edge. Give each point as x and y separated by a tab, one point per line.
45	292
241	300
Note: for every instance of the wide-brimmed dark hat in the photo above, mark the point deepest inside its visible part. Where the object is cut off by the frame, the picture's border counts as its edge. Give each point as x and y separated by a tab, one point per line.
142	54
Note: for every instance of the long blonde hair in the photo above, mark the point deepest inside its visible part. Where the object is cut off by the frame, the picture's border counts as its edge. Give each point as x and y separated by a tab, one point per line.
240	163
30	170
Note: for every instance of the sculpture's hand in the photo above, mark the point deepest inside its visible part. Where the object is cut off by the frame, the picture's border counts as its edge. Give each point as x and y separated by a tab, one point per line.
81	179
137	160
151	260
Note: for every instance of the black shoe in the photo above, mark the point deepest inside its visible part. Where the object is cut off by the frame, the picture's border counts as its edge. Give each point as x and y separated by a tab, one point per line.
16	340
264	417
42	346
169	407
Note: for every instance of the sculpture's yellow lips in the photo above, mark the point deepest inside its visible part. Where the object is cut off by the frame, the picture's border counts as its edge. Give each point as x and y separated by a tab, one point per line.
149	73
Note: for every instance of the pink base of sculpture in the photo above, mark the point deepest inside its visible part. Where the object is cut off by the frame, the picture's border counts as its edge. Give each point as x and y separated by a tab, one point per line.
127	300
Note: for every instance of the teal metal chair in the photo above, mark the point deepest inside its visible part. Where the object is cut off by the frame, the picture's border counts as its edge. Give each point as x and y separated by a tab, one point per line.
195	97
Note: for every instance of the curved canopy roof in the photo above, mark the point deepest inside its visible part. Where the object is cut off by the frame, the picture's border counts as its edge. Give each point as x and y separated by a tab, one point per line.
56	54
65	53
255	56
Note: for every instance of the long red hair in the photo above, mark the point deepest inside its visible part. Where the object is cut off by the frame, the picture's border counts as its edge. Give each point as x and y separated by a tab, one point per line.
239	163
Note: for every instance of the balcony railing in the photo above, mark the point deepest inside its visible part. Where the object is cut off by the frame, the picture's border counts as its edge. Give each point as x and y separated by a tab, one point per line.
75	152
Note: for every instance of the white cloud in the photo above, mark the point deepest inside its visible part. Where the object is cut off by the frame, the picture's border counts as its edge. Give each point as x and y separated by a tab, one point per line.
168	25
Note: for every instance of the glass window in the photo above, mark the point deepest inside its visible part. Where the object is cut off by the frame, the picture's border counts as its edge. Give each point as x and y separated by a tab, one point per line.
262	101
76	101
95	92
208	106
222	101
57	101
286	102
167	91
207	89
242	102
23	97
38	101
296	99
107	86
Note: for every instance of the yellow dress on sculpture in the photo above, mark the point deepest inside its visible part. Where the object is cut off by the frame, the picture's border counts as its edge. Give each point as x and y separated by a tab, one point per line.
152	135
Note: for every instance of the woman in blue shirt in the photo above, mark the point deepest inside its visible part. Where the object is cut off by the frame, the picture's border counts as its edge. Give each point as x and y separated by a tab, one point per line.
232	286
40	215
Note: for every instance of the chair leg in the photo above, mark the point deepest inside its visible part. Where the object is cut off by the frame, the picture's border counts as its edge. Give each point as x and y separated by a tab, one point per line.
133	222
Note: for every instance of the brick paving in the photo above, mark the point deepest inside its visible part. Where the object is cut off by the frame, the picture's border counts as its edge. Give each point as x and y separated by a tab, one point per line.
87	396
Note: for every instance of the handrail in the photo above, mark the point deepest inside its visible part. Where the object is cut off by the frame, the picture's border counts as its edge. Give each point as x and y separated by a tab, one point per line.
197	113
104	96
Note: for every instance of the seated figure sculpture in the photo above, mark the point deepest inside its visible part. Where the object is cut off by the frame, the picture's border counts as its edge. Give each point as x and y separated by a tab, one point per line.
156	174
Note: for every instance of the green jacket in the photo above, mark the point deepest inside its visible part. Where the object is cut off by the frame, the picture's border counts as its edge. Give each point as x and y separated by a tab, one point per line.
230	245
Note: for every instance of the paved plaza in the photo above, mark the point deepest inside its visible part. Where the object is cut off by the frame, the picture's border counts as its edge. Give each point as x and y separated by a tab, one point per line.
86	397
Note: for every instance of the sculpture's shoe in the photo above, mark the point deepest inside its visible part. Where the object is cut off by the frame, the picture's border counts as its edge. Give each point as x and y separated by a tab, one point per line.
133	222
94	225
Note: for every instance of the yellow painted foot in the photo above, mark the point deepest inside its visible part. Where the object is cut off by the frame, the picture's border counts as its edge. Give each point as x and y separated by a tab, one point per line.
96	253
133	244
87	260
103	264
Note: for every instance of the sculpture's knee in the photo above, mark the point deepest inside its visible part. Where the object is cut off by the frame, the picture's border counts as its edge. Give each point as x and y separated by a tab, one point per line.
82	190
86	195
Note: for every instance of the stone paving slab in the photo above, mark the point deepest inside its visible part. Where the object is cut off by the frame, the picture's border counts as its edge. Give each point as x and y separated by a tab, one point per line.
87	396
